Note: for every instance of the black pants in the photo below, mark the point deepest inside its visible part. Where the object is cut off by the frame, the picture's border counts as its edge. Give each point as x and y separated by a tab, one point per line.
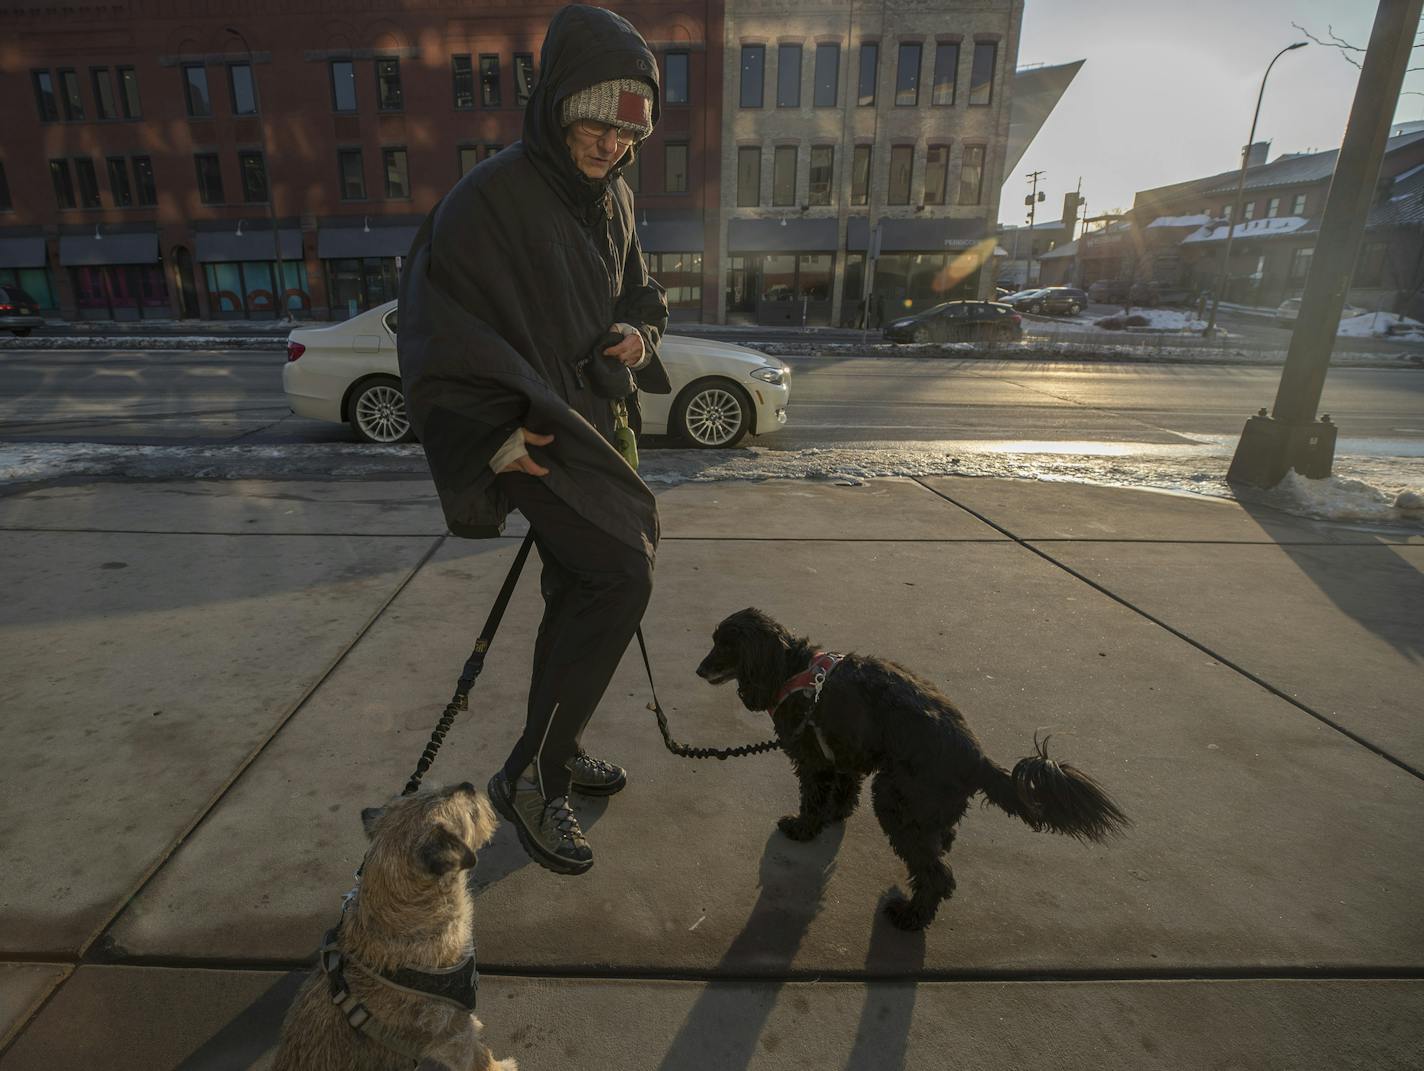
595	590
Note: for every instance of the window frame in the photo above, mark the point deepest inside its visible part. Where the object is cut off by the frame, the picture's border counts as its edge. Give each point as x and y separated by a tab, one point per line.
117	168
788	92
669	148
906	153
759	51
778	154
47	111
684	59
388	152
73	102
943	169
900	68
1298	203
861	161
203	190
1273	207
490	81
982	155
746	152
187	70
521	97
455	77
341	158
63	190
132	109
145	182
243	157
1297	259
941	49
232	89
460	169
827	187
336	107
88	191
99	78
384	84
988	95
832	49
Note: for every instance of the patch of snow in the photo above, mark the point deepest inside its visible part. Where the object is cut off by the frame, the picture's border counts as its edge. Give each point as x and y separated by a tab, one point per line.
1382	325
1340	498
1251	228
1201	219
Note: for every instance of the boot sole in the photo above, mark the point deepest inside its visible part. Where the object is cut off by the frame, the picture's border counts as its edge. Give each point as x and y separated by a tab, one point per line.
536	851
600	790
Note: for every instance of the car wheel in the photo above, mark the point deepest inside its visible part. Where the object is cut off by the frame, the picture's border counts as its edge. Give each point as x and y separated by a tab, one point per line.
1037	306
712	413
921	334
1074	309
377	412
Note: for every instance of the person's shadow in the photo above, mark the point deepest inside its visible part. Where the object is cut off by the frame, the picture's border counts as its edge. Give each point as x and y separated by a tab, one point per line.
723	1028
883	1034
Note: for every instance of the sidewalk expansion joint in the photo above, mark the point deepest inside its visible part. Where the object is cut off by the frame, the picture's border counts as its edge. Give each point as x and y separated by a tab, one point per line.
1179	634
23	529
101	940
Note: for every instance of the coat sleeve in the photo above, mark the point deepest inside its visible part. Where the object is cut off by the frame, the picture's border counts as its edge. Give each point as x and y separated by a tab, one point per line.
644	306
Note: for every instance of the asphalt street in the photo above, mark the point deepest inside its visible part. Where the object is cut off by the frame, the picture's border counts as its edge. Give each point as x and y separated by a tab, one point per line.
177	397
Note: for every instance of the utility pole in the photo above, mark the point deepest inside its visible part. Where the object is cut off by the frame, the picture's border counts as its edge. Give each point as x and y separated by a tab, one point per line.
1291	438
1032	201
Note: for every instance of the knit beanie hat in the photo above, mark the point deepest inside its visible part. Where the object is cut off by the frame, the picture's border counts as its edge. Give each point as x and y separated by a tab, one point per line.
623	102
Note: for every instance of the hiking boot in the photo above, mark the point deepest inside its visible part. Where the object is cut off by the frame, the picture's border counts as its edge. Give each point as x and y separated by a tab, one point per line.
548	829
595	777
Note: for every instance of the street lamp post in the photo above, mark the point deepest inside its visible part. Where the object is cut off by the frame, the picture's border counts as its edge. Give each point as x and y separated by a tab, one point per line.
1235	219
281	293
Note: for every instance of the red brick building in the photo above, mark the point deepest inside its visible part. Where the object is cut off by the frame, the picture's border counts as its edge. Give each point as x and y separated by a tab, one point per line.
146	149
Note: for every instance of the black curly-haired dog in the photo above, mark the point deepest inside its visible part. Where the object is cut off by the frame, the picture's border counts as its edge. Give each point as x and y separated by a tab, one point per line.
874	717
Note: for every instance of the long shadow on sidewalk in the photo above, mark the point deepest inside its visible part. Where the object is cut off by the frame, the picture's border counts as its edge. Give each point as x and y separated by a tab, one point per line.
883	1034
724	1027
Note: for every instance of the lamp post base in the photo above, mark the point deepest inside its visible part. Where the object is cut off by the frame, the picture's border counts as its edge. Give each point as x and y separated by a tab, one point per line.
1270	448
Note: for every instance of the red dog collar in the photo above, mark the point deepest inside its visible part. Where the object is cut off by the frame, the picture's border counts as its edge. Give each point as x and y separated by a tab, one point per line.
808	680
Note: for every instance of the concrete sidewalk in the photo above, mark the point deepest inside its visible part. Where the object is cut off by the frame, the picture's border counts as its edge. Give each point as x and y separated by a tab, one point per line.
206	682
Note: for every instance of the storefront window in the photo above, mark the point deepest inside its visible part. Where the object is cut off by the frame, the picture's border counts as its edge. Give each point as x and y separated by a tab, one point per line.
778	280
33	281
814	276
120	291
356	284
245	290
681	275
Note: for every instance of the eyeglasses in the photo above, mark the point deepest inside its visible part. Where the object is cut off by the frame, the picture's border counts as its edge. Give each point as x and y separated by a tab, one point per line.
598	131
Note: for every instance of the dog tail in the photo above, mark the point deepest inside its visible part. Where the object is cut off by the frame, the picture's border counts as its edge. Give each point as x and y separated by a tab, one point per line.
1047	794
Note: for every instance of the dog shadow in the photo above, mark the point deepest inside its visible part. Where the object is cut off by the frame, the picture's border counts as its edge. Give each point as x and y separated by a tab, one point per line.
725	1024
504	855
883	1034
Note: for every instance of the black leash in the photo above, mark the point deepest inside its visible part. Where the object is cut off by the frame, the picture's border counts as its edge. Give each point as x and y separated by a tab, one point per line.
473	667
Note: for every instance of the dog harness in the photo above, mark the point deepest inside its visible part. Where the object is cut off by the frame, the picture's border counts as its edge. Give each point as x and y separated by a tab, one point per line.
811	679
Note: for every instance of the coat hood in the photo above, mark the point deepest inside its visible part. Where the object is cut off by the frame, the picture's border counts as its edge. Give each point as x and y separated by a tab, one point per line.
584	45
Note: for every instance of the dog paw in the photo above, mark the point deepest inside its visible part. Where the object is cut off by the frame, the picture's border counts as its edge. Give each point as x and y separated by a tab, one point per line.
903	915
797	828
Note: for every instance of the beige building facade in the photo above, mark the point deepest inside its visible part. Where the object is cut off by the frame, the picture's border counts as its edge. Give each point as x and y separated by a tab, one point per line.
863	151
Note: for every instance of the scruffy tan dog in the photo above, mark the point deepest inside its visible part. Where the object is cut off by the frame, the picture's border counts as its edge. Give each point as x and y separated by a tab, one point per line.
394	987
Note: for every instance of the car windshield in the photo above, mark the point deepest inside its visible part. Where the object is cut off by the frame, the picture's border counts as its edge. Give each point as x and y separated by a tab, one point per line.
1024	294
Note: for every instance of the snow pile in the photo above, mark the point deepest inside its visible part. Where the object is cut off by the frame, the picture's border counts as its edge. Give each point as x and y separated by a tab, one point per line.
1339	498
146	342
1381	325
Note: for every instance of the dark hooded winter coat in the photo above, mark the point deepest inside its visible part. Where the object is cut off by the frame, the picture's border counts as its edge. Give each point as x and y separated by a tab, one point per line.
512	280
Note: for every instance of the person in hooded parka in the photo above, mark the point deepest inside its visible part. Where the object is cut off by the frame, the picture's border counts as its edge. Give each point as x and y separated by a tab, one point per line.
529	266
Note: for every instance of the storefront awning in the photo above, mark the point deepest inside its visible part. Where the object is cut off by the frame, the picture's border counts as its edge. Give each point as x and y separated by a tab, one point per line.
342	243
682	235
782	236
916	235
78	251
227	247
22	252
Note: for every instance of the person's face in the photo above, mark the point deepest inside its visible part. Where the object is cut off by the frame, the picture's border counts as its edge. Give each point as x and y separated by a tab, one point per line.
596	147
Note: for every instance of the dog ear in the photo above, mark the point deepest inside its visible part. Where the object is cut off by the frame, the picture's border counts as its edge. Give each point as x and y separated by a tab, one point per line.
484	818
761	661
442	851
369	817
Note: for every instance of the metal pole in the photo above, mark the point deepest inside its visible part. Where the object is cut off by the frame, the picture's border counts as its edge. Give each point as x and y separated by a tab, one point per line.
1235	220
1291	438
1033	177
281	294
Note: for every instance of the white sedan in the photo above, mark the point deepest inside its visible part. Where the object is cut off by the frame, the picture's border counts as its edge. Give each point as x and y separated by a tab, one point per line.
348	373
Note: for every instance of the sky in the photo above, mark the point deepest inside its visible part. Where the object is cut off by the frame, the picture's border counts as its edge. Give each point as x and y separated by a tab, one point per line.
1168	89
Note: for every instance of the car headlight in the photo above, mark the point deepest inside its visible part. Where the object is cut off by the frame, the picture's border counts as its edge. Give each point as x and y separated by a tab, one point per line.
775	376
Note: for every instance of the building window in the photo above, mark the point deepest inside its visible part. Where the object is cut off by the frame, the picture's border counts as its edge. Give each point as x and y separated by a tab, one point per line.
343	86
73	102
492	150
468	156
128	86
489	81
209	178
633	174
788	76
105	106
981	77
753	68
1248	211
971	175
674	168
783	176
828	69
388	84
5	204
88	182
63	184
869	72
680	275
462	76
244	89
118	169
353	175
907	77
675	87
393	164
936	174
1273	208
44	96
946	73
822	165
355	285
748	176
1226	212
523	77
902	164
1298	205
143	179
195	87
1300	262
254	177
860	175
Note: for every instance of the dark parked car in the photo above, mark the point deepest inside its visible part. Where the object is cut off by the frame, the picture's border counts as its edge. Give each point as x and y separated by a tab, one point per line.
1054	299
957	321
18	311
1108	292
